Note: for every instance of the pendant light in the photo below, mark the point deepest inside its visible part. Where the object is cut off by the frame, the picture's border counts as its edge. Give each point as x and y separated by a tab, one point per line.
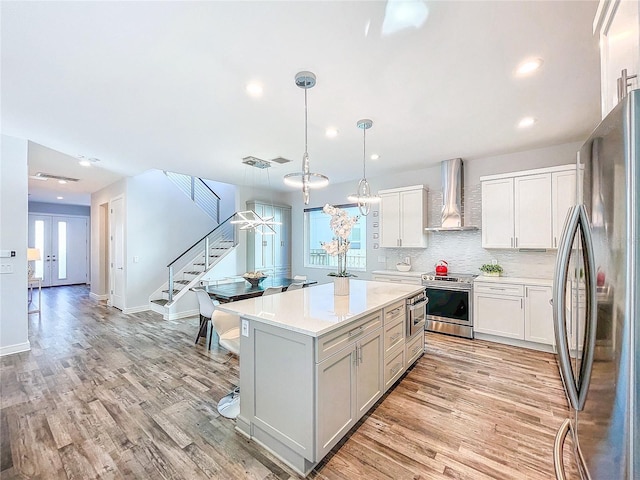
306	179
363	196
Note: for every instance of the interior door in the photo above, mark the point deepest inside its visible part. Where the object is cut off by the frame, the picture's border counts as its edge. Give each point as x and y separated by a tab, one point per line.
116	253
63	242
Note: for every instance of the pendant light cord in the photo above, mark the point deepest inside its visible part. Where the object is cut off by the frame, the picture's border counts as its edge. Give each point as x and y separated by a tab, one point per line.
305	121
364	154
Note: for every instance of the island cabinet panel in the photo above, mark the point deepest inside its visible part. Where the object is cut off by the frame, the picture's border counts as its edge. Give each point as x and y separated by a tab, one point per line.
394	367
336	399
349	384
283	386
393	335
335	341
413	349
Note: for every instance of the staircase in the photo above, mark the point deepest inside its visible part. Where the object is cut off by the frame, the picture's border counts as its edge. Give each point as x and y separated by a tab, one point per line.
188	268
199	192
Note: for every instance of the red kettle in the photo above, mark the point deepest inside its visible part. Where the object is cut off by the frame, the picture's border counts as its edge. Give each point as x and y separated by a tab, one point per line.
442	268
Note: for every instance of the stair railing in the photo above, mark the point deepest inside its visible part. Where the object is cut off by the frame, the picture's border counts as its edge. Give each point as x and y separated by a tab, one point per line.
223	234
199	192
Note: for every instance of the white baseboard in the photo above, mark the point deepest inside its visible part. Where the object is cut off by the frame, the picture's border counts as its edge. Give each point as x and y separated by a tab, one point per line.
95	296
142	308
17	348
514	342
178	315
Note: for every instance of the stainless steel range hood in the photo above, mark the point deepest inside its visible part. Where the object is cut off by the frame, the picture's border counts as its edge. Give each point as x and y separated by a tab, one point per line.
452	213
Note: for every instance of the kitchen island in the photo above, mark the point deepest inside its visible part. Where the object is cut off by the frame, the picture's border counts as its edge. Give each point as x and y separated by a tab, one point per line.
312	364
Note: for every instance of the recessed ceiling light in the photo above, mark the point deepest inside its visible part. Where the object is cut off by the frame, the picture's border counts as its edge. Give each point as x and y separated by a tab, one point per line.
375	156
529	66
62	182
526	122
60	198
254	89
331	132
87	162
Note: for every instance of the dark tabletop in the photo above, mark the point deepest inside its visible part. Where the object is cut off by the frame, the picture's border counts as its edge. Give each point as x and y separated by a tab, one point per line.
231	292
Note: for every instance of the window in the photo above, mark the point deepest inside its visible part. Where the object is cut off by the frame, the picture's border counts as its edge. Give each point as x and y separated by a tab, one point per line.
317	229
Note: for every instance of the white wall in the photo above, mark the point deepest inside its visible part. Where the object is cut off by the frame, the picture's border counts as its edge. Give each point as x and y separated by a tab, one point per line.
14	325
462	249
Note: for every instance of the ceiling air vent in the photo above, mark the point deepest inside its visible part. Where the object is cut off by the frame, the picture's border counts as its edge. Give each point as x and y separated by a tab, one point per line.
47	176
281	160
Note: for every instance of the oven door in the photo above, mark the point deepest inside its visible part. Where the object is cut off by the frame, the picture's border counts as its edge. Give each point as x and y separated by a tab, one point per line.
449	305
416	317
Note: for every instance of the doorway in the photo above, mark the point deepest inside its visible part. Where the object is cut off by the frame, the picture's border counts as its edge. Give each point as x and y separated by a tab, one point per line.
116	253
63	242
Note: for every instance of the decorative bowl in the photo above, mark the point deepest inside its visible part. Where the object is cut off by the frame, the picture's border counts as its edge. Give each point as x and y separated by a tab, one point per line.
254	281
403	267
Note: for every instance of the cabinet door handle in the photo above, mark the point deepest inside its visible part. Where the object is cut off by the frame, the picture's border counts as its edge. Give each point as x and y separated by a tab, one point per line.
395	337
521	303
496	288
623	83
555	242
416	349
396	369
356	331
516	242
511	242
359	349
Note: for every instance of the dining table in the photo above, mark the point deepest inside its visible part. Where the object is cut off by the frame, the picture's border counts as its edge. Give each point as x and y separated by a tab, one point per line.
232	292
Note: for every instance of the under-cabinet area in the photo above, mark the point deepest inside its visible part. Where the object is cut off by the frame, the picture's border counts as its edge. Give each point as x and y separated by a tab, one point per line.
313	363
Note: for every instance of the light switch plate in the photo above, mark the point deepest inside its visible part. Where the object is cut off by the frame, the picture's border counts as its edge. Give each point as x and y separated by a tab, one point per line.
6	268
245	328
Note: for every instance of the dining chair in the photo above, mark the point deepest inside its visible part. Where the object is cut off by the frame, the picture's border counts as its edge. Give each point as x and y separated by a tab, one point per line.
271	290
227	329
295	286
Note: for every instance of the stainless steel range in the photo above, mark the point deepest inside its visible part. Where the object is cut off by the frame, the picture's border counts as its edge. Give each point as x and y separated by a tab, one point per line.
450	303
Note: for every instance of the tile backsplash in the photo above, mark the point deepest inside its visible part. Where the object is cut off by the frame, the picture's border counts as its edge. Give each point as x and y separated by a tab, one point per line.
463	250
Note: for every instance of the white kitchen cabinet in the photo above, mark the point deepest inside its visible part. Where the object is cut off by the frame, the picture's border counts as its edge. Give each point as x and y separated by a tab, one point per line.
532	211
514	310
498	314
617	23
270	253
390	277
349	383
526	209
403	217
497	213
538	315
563	197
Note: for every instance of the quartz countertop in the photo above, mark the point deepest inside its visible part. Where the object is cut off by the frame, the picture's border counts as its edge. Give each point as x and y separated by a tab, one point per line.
398	273
545	282
315	310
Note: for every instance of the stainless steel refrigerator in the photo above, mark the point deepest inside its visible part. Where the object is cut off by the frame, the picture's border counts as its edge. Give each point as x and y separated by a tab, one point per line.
595	298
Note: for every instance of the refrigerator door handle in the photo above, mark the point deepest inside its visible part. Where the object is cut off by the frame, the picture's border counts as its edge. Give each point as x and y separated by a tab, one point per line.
591	313
559	309
558	446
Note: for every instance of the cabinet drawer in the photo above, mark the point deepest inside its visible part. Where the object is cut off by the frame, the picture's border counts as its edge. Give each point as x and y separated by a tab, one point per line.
498	288
393	368
395	311
393	334
414	349
335	341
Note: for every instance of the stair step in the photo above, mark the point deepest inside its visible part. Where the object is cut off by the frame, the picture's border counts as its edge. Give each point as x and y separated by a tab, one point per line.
175	292
160	301
193	272
182	282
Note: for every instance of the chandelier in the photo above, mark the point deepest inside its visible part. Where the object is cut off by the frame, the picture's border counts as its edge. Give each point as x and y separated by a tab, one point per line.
363	196
306	179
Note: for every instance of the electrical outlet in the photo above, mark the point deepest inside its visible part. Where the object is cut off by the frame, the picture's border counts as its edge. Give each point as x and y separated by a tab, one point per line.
245	328
382	259
136	259
6	268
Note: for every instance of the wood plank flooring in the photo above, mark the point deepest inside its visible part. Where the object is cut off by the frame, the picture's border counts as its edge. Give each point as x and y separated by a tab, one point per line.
107	395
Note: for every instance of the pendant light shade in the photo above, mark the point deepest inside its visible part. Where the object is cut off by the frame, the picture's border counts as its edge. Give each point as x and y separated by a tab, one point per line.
306	179
363	196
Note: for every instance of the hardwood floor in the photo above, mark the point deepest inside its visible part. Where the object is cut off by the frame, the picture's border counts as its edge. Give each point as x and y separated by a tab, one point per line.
107	395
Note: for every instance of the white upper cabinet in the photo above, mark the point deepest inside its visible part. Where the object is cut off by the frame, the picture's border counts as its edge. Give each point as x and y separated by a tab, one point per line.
532	211
526	209
497	213
617	24
403	213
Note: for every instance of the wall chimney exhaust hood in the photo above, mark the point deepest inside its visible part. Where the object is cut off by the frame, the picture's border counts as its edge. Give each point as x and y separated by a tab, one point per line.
452	213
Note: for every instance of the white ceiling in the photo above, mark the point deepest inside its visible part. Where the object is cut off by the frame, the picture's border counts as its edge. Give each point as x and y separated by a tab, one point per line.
143	85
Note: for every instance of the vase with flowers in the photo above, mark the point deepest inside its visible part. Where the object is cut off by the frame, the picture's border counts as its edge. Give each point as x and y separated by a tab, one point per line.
341	224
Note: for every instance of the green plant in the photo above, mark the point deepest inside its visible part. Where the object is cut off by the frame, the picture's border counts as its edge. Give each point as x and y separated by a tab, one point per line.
491	268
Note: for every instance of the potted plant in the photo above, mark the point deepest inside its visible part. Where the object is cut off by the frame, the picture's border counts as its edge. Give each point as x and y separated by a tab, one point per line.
341	224
491	270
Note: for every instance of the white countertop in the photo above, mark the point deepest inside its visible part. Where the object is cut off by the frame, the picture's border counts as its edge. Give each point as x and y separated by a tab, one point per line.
315	310
410	273
545	282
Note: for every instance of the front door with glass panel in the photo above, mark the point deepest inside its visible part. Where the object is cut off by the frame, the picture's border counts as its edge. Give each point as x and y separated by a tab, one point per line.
63	244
